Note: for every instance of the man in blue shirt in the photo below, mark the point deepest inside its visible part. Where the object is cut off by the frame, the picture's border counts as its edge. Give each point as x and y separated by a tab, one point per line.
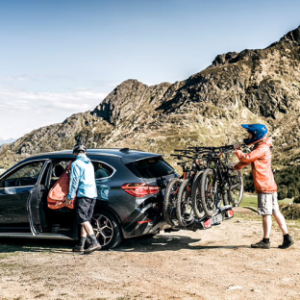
82	182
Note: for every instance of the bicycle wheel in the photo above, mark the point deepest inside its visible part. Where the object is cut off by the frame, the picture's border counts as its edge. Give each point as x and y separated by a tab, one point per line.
235	188
222	197
196	196
169	203
184	211
209	191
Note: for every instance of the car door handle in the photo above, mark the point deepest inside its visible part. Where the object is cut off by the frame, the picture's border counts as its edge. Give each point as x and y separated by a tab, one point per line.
24	193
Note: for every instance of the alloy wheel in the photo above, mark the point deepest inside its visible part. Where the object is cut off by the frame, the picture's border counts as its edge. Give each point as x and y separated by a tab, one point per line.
103	229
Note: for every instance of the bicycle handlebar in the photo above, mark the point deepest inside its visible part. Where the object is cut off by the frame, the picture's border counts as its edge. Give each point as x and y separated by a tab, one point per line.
179	150
181	155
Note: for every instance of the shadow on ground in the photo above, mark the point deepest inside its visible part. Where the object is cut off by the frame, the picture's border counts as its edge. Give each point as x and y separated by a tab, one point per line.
143	244
9	245
168	243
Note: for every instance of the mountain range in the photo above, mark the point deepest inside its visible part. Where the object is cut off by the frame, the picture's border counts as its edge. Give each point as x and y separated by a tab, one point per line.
251	86
6	141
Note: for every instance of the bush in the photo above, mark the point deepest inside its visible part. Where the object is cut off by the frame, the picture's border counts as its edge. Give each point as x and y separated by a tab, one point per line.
290	211
297	200
287	179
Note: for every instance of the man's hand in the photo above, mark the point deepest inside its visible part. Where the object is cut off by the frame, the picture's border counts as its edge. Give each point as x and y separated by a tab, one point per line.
67	201
237	146
232	167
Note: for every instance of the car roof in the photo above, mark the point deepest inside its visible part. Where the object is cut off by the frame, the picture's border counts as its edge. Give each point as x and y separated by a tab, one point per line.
125	154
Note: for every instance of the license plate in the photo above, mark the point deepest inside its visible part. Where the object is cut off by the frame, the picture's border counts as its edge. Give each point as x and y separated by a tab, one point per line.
217	219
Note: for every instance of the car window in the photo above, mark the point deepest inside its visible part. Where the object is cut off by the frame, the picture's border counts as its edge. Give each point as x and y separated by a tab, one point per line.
58	169
24	175
151	168
102	170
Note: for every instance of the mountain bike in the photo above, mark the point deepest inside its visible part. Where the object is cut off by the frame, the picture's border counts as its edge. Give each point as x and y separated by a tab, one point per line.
218	182
185	210
172	190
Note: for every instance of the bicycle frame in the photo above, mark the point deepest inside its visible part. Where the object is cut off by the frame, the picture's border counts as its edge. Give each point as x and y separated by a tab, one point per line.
221	175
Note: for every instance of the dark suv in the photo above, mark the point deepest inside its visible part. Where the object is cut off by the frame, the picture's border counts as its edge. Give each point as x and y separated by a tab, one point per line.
130	187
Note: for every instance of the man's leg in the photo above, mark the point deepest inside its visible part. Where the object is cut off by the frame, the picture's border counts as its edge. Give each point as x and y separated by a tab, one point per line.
281	222
83	236
82	241
265	210
267	225
89	229
287	239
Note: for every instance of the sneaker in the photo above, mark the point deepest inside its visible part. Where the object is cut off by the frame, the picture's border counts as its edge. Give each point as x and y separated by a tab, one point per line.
78	249
92	248
286	244
261	245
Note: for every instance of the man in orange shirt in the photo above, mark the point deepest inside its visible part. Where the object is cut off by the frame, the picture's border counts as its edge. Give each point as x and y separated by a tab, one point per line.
265	186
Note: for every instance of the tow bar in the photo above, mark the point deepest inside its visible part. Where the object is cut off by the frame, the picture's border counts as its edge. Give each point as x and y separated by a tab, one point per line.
222	214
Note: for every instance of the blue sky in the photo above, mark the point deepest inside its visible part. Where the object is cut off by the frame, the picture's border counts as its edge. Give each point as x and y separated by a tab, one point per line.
62	57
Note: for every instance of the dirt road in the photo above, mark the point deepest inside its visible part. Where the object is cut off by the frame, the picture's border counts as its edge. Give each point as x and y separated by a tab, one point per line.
212	264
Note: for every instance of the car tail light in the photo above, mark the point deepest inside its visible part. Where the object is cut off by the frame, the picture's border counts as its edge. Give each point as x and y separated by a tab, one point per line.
207	224
230	213
140	189
143	222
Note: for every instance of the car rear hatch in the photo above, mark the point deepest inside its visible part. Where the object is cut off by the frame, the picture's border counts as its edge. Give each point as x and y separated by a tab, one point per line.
152	168
155	172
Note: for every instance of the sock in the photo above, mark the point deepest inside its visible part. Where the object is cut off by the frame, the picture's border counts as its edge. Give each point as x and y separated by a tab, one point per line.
286	237
266	240
93	239
82	241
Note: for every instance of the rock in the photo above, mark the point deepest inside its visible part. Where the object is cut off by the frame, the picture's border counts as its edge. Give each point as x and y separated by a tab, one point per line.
26	148
234	288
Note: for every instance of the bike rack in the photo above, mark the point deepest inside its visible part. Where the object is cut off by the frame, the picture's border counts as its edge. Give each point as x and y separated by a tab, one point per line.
200	224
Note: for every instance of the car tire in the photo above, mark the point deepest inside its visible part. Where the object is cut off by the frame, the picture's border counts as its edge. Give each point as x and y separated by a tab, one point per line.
108	231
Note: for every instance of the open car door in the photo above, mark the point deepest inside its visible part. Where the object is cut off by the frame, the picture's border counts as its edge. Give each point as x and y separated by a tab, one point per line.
16	188
46	222
35	202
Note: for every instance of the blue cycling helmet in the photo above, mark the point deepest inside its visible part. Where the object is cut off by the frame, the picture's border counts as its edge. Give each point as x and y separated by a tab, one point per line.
258	132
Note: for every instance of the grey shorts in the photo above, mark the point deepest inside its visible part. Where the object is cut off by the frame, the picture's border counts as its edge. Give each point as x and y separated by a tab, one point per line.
267	204
84	209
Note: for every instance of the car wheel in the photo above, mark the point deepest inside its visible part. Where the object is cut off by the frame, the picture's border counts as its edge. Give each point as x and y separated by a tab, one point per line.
107	230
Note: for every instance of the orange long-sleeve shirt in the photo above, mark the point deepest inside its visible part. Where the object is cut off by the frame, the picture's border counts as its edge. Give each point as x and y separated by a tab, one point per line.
260	160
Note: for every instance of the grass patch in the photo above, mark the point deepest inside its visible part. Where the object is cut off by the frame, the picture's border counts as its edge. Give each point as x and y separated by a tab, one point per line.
251	201
4	255
246	217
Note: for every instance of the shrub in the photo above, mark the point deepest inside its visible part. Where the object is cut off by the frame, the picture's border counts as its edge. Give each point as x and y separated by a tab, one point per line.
287	179
297	200
290	211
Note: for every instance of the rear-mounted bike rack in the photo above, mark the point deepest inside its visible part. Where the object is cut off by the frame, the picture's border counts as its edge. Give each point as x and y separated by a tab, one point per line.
207	222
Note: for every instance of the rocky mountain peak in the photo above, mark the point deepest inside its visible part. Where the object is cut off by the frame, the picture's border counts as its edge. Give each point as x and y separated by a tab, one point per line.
127	98
292	36
222	59
251	86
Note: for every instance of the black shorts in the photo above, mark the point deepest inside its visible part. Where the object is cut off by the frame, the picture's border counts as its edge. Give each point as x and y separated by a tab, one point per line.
84	209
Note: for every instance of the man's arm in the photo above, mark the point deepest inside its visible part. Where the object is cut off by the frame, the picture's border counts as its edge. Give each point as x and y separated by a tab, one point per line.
240	166
74	181
248	158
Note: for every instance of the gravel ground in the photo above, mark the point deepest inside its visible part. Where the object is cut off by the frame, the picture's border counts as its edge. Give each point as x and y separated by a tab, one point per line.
213	264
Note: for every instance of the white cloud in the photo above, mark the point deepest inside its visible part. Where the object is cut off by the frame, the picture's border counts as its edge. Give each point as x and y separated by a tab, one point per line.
31	77
22	111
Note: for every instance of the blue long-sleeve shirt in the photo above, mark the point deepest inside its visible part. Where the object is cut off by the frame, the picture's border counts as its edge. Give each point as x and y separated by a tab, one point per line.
82	178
